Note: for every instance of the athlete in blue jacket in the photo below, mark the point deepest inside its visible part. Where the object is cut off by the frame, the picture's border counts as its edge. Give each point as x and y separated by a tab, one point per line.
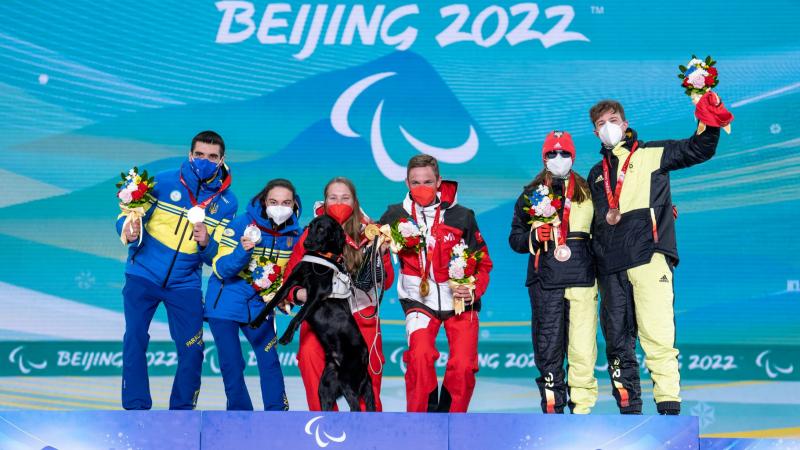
270	228
166	266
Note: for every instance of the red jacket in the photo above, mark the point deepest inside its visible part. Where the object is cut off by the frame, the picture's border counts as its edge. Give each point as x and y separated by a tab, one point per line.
455	223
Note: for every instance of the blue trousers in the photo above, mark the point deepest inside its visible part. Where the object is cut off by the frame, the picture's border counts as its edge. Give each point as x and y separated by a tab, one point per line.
185	316
232	364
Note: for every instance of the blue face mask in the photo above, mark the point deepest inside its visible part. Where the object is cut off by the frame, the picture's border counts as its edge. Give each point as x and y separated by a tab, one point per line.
203	168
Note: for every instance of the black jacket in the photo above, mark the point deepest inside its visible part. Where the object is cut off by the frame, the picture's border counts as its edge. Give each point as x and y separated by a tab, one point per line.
647	224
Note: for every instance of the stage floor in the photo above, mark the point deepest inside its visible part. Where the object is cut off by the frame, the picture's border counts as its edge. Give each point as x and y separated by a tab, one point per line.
758	409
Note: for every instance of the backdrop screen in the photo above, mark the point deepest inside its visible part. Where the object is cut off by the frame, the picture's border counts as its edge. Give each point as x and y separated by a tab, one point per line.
309	91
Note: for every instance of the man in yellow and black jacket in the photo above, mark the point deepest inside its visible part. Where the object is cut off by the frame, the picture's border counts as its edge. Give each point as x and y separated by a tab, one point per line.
633	239
165	265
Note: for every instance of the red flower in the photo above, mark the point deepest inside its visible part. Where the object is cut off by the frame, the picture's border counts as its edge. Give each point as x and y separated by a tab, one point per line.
686	82
142	188
710	80
402	220
556	203
256	287
532	212
276	268
412	241
712	71
472	265
137	195
272	277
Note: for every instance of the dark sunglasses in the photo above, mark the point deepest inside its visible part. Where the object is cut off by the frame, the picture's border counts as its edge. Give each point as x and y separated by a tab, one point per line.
553	153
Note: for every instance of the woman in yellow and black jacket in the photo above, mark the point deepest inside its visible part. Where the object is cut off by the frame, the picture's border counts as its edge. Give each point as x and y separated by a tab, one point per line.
561	280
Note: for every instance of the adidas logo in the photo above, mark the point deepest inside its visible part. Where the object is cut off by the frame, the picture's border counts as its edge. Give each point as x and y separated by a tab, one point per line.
664	279
599	179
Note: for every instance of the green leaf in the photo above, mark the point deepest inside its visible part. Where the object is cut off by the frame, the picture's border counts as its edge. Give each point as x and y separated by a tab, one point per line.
694	56
682	68
708	59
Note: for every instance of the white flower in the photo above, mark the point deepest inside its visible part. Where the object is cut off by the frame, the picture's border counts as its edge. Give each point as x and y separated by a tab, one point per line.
125	196
253	265
455	272
698	78
694	62
543	190
458	262
263	282
132	187
460	248
407	229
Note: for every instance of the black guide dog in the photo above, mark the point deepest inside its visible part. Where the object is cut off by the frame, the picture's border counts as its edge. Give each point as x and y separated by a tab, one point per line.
346	353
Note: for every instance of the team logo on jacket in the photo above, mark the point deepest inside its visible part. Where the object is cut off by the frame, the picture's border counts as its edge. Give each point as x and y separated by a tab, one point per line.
175	196
289	241
599	179
213	208
229	232
479	237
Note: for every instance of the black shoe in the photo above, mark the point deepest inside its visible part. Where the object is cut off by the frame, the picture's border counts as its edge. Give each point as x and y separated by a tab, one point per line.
669	408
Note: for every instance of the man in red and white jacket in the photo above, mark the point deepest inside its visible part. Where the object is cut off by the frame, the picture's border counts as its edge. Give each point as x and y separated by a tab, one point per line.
431	202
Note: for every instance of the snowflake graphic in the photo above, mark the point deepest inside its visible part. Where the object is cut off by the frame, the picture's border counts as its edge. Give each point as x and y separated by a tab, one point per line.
85	280
775	128
705	414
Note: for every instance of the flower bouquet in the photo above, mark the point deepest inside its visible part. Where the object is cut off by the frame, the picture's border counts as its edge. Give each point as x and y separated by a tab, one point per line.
462	269
134	192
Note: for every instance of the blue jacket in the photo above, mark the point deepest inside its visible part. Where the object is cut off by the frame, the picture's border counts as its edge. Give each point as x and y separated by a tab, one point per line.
167	255
229	296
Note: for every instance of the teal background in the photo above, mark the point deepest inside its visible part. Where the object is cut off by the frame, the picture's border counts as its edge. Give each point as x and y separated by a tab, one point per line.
88	89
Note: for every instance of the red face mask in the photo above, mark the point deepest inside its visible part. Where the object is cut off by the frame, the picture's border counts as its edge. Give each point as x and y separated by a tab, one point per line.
424	195
339	211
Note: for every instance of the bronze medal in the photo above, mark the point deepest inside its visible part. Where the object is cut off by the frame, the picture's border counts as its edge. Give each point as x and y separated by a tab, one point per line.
613	216
562	253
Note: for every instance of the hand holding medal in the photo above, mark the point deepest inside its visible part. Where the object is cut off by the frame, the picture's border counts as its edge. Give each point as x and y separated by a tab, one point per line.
252	233
698	78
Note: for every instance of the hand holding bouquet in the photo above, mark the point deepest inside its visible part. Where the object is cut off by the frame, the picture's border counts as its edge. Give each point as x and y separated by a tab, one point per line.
134	192
698	78
462	269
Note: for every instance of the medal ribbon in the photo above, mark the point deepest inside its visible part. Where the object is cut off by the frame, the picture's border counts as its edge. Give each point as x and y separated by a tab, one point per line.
225	184
427	262
564	227
613	199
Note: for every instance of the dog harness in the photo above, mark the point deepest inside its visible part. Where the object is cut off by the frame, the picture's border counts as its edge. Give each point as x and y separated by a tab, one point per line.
341	280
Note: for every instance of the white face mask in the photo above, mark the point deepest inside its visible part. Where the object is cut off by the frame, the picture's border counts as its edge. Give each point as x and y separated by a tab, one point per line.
610	134
559	166
279	213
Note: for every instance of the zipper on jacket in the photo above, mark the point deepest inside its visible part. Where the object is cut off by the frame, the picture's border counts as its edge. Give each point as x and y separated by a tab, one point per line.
138	249
219	294
438	289
180	242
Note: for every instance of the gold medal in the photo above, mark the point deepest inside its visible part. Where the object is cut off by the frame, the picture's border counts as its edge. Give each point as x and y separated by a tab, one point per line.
372	231
424	288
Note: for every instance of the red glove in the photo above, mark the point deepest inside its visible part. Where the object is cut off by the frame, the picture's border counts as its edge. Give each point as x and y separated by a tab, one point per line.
543	232
712	112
